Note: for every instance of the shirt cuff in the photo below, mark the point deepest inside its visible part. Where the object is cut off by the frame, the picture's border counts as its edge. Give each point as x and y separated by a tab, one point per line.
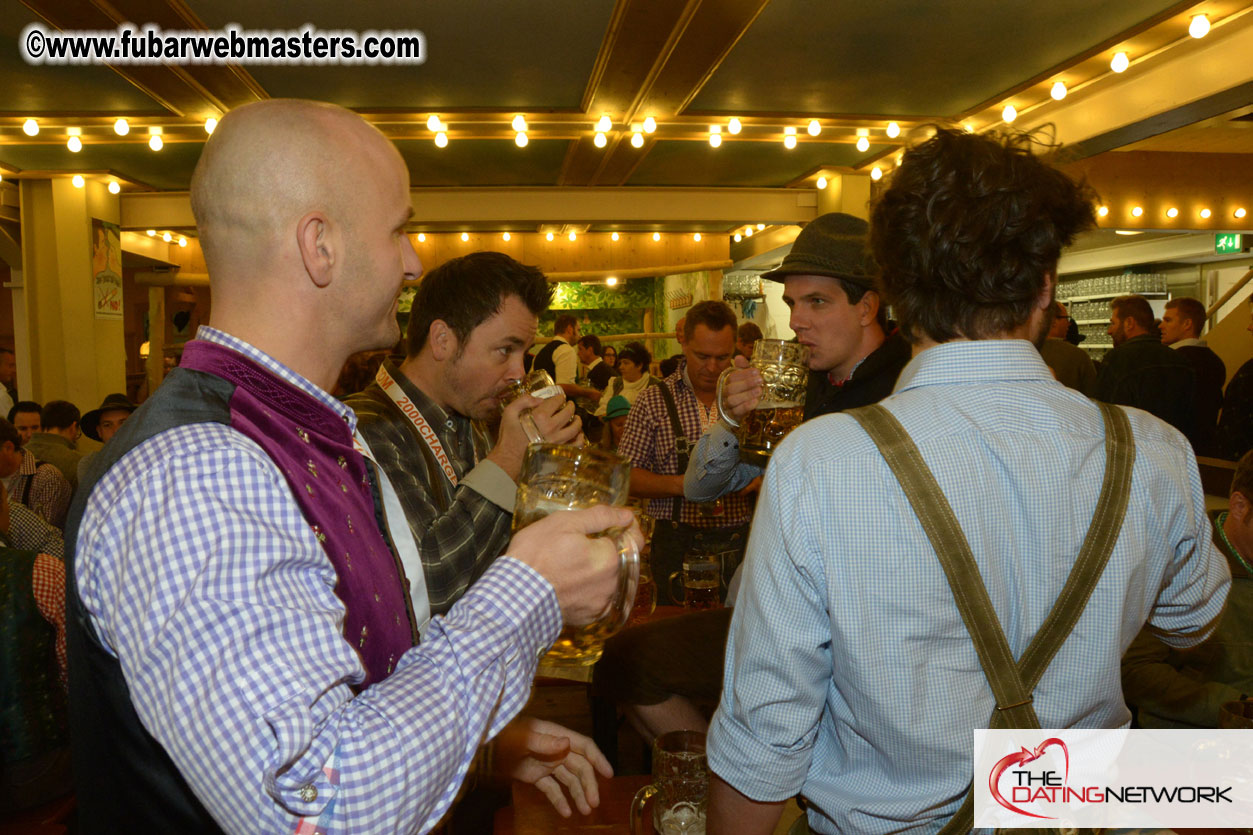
490	480
523	595
756	769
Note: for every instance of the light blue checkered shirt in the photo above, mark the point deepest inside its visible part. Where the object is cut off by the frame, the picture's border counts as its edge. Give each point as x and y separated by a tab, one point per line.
850	676
205	581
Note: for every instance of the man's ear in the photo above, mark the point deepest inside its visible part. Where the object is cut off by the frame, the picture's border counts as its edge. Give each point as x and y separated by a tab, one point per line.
867	308
442	341
1048	293
317	251
1241	508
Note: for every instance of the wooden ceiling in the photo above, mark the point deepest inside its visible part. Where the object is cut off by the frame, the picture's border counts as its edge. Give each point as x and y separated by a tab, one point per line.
689	64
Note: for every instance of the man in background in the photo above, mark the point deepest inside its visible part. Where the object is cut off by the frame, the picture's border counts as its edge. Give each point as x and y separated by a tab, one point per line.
745	338
8	380
1181	328
1140	371
55	442
101	424
25	418
1070	364
37	485
598	372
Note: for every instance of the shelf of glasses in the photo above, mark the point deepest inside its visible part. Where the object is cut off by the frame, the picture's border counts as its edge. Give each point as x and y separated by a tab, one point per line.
1092	321
1099	346
1104	296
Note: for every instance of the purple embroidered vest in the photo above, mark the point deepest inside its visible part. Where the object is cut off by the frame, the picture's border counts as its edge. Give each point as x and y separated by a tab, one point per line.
313	448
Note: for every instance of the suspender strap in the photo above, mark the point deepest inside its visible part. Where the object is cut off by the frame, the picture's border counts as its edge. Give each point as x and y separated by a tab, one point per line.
681	445
1012	683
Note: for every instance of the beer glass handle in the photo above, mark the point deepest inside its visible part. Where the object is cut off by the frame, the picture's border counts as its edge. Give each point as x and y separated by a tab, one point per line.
676	575
637	808
629	577
722	413
528	426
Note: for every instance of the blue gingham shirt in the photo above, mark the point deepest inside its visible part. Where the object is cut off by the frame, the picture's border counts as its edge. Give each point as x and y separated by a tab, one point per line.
205	581
850	676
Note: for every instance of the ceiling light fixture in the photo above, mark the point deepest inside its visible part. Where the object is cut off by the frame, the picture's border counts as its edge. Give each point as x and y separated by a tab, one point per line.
1137	211
210	125
1199	27
737	237
433	124
78	181
519	123
1119	62
614	236
421	237
1009	114
822	182
505	236
152	233
549	236
155	141
656	237
441	140
182	241
1239	213
1058	92
696	237
604	123
814	128
167	237
761	226
465	237
748	231
114	188
1205	213
969	128
1172	212
520	140
715	135
600	140
734	126
876	174
1102	211
573	236
789	138
863	143
75	144
30	127
1127	232
121	127
650	124
894	130
637	139
612	281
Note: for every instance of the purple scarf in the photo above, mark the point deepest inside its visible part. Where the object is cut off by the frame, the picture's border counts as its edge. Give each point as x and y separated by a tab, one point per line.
312	446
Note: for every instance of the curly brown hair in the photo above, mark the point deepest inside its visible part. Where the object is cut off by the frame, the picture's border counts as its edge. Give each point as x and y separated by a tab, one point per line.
967	230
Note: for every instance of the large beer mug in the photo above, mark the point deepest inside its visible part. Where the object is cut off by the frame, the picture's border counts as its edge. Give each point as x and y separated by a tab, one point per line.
680	787
784	369
700	582
558	477
536	383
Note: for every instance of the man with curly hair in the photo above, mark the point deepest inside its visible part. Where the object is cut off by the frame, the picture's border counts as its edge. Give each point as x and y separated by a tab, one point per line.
887	536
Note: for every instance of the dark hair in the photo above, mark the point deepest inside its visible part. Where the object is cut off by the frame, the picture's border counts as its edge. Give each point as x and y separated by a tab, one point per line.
592	341
564	322
749	331
4	350
8	432
714	315
59	414
636	353
1242	481
25	407
467	291
967	230
1136	308
1192	310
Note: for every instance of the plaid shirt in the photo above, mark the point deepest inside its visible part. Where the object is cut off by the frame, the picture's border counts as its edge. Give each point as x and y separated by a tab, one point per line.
42	488
29	532
48	586
201	575
649	442
460	530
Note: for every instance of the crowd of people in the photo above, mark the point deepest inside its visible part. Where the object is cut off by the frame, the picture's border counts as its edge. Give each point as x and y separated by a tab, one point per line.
286	611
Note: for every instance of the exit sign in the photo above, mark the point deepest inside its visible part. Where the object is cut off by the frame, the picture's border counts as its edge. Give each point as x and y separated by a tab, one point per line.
1228	242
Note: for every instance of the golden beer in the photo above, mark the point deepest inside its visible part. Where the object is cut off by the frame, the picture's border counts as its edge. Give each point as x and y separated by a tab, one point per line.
763	428
784	369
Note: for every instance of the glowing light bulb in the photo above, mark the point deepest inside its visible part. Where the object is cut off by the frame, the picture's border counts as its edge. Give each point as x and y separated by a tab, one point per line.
737	237
604	123
182	241
210	125
612	281
650	124
876	174
433	124
1102	211
863	143
894	130
822	182
1239	213
167	237
656	236
155	142
614	236
74	144
696	237
121	127
1137	211
441	140
78	181
1172	212
637	140
715	140
549	236
600	140
573	236
789	141
748	231
465	237
1199	27
1205	213
519	123
969	128
734	126
814	128
505	236
152	233
1058	91
30	127
520	140
114	188
761	226
1009	114
1120	62
421	237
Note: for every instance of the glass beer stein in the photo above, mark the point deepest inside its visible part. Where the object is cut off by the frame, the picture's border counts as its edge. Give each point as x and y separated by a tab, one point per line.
537	383
784	368
680	787
701	581
556	477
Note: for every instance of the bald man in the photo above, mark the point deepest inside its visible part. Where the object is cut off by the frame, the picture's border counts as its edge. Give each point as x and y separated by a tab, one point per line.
244	653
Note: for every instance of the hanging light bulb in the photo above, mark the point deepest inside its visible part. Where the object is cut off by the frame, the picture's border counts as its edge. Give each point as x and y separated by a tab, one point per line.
155	142
78	181
650	124
520	140
734	126
1009	114
614	236
1205	213
121	127
548	237
433	124
505	236
30	127
421	237
167	237
519	123
600	140
894	130
612	281
1199	27
715	135
696	237
863	143
182	241
1239	213
789	138
152	233
737	237
1172	212
604	123
656	236
761	226
441	140
814	128
74	144
748	231
637	140
876	174
573	236
1120	62
465	237
1137	211
1102	211
114	188
1058	92
210	125
822	182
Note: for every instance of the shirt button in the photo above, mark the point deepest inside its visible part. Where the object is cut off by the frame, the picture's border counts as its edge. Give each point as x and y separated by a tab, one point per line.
308	794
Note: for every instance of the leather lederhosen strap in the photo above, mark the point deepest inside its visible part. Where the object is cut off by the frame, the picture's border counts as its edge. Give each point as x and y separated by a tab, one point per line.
1011	682
682	447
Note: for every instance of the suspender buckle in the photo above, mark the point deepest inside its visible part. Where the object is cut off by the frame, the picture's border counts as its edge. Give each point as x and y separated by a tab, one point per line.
1025	701
682	446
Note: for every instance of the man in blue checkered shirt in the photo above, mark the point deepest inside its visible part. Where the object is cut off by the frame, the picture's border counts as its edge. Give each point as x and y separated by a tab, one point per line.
850	676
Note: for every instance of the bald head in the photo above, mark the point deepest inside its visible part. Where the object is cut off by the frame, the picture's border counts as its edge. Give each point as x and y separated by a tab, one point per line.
270	163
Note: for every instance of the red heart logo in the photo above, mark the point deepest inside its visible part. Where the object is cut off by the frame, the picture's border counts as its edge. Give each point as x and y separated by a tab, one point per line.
1023	757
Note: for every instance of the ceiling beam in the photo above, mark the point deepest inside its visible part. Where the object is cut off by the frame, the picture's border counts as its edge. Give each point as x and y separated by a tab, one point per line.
484	207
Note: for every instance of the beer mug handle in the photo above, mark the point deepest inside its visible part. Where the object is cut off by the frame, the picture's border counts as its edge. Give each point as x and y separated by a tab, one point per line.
629	576
528	426
637	808
679	576
722	413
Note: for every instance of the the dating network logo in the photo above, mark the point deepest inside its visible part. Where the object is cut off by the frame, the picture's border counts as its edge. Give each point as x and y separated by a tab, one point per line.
1028	786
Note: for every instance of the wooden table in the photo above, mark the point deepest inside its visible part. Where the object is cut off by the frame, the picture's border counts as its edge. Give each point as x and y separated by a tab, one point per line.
532	814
